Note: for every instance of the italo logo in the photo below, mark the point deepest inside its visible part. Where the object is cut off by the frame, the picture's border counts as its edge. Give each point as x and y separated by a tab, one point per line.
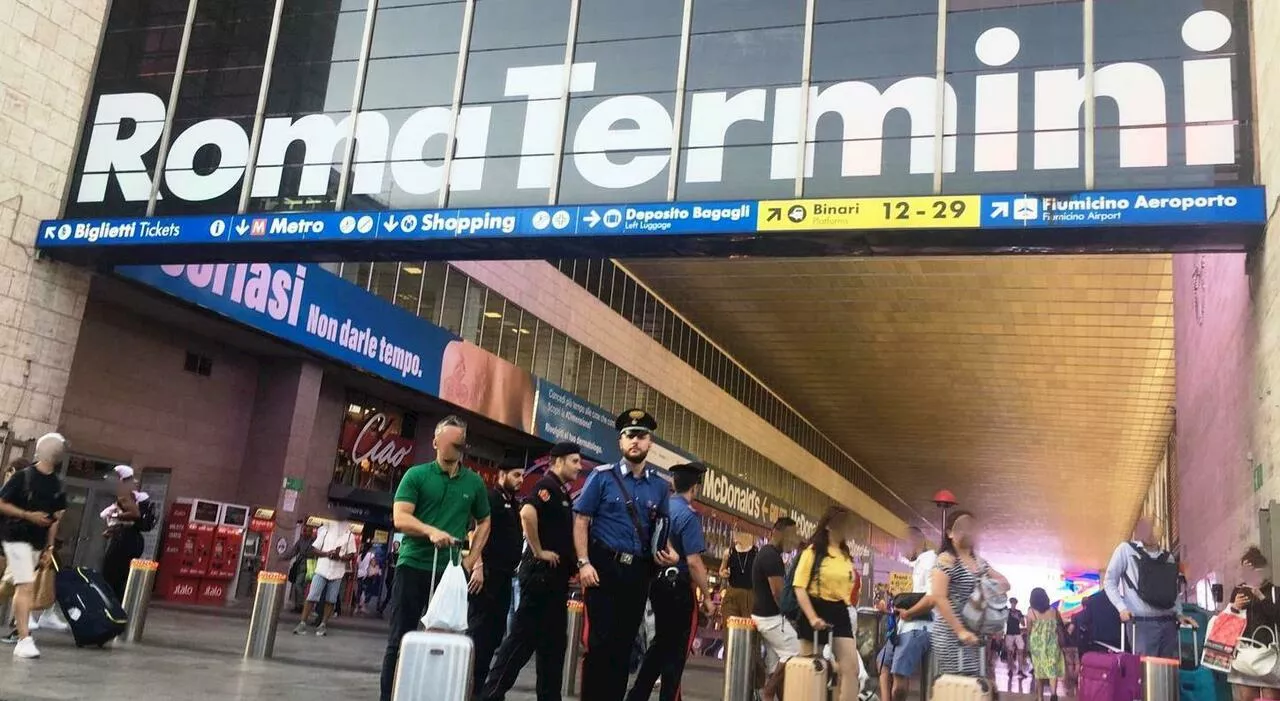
624	141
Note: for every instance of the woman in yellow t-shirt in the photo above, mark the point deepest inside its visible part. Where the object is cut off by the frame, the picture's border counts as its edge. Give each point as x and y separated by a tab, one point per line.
824	595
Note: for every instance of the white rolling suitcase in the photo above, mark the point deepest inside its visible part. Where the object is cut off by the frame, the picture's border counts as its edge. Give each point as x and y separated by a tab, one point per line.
434	667
953	688
437	665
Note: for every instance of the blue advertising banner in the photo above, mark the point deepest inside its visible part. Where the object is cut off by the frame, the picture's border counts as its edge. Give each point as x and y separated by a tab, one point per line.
560	415
309	306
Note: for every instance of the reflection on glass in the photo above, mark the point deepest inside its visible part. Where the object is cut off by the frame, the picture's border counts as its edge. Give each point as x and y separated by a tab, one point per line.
746	59
504	24
607	20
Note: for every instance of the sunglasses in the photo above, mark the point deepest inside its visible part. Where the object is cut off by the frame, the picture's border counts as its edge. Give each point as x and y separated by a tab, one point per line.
635	433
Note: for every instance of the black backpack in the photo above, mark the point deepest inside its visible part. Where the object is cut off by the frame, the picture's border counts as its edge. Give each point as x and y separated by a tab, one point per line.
146	516
1157	583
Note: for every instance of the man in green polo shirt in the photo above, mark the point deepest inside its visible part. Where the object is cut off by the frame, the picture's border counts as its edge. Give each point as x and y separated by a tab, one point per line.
434	506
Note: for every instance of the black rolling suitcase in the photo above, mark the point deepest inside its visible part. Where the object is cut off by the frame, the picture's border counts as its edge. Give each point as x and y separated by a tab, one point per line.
90	607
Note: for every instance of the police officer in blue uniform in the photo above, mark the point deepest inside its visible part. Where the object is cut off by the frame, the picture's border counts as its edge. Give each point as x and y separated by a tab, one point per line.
614	517
673	595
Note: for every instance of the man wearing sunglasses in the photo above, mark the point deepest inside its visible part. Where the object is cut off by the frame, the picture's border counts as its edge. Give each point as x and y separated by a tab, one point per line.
613	528
433	506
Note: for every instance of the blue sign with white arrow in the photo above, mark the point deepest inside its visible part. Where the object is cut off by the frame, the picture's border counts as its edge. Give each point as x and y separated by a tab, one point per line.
1125	208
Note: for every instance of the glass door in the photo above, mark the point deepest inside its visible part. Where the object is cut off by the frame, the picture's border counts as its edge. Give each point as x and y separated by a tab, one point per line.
81	529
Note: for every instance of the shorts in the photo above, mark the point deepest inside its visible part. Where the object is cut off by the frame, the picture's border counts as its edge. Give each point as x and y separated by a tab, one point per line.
736	603
835	613
780	640
20	563
328	589
904	658
1015	643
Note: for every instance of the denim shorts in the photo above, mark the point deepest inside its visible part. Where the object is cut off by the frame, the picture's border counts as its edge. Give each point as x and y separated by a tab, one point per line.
326	589
904	658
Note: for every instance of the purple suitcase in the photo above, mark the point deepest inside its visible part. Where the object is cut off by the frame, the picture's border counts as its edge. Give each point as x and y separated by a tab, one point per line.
1110	676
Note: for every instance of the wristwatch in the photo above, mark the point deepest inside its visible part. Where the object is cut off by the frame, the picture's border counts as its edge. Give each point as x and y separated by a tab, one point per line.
583	562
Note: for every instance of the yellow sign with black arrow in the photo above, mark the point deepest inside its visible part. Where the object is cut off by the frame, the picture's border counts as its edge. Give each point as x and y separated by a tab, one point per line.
862	213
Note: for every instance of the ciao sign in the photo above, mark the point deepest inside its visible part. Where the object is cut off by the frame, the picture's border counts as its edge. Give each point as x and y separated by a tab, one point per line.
373	440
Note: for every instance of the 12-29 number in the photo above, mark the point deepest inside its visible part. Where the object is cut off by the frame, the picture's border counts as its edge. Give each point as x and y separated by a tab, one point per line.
940	209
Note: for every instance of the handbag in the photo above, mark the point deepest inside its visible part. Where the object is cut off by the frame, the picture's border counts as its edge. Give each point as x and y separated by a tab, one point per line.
44	595
1254	658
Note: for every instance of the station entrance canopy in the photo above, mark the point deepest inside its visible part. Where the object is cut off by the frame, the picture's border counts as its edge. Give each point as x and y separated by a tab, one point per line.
1202	219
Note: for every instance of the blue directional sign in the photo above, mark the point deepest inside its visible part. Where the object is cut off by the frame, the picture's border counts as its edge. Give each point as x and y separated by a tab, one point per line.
1125	208
667	228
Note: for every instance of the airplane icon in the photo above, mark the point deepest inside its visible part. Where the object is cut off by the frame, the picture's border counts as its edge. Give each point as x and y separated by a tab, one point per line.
1026	209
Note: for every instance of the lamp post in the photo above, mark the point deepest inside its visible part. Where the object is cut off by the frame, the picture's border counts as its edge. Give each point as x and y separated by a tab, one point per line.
945	501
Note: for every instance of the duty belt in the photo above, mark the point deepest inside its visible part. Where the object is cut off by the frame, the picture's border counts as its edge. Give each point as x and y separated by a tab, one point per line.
620	557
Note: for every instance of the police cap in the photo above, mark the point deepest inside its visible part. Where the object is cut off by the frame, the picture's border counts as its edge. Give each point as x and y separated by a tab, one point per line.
636	418
565	448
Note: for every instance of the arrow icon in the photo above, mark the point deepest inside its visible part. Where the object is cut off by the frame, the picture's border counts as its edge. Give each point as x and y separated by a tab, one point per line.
592	219
775	214
999	209
242	228
390	224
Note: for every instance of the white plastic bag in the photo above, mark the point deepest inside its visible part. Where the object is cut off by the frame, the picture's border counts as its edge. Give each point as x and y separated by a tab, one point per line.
447	610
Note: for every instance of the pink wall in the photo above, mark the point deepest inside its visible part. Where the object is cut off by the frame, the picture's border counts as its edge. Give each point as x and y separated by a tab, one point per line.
1213	341
129	400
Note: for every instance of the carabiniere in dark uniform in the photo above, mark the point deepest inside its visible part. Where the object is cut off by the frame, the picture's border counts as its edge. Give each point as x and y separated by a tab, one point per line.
674	594
545	570
613	535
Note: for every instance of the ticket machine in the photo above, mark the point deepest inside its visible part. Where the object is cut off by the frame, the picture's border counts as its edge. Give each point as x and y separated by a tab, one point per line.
187	549
224	555
256	551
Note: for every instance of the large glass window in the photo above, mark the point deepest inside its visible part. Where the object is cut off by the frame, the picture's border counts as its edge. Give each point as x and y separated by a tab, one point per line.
308	105
408	94
221	81
999	58
618	134
1144	52
873	119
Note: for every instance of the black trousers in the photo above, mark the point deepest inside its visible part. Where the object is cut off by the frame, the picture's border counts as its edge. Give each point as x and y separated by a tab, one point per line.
124	546
673	618
409	599
487	622
615	609
541	628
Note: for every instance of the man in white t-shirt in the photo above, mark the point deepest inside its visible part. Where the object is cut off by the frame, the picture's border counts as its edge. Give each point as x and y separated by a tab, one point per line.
335	544
908	648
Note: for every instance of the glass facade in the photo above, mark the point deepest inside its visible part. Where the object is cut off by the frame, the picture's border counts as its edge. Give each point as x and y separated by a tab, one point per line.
439	103
449	298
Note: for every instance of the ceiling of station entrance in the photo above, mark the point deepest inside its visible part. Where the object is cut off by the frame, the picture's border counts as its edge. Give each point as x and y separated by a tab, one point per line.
1039	389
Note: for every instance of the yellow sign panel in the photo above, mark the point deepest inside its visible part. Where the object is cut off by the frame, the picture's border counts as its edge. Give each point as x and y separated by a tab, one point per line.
899	583
864	213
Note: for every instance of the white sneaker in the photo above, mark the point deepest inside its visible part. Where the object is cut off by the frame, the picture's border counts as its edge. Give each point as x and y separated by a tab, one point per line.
52	620
33	623
26	649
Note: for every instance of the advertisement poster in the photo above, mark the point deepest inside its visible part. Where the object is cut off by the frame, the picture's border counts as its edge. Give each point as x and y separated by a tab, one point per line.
307	305
562	416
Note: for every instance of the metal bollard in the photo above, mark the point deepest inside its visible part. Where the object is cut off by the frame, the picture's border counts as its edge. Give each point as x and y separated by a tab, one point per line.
573	651
137	597
1160	681
267	602
740	653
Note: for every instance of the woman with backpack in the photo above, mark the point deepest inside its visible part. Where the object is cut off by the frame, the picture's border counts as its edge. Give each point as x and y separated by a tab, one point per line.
956	575
127	519
823	583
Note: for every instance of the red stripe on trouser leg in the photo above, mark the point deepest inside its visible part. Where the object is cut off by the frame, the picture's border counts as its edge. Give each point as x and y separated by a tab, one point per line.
693	634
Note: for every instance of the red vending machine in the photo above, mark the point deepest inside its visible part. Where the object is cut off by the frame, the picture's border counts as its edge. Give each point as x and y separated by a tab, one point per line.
224	555
188	544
